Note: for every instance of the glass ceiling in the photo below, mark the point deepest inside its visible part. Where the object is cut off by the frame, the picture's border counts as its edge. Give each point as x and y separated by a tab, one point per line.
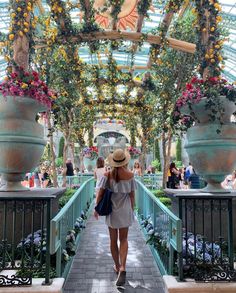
141	56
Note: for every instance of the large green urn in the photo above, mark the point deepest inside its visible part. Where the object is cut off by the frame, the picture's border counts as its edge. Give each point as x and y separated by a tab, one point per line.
89	164
211	146
21	140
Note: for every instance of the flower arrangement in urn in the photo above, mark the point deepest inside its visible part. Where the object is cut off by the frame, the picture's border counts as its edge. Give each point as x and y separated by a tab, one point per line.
134	152
27	84
211	94
90	152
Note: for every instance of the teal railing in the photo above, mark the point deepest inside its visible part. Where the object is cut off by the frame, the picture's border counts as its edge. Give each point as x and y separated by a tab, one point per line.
64	221
74	181
167	240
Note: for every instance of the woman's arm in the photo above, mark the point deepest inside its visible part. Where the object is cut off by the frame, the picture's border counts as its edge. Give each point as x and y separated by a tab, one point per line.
132	199
100	195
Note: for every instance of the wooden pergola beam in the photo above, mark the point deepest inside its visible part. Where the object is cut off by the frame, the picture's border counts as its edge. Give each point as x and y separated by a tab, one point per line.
131	36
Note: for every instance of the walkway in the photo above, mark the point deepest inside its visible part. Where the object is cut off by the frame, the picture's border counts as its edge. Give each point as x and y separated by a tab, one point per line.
92	269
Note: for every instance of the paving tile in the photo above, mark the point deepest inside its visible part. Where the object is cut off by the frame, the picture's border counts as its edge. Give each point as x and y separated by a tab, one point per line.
92	268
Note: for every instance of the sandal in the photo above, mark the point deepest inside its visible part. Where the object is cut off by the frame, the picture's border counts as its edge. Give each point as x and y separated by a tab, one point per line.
121	279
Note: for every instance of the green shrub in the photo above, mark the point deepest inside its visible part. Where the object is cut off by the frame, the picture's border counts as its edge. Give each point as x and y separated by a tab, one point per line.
166	201
178	164
156	164
59	162
179	150
158	192
61	147
66	197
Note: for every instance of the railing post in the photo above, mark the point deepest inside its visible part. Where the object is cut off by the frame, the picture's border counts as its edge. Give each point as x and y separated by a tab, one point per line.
48	258
180	254
230	232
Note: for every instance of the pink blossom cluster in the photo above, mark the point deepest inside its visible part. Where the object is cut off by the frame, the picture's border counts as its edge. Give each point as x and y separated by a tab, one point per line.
134	151
198	88
22	83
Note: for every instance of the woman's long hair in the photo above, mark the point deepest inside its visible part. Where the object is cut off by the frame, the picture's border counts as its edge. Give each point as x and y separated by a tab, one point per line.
115	172
100	162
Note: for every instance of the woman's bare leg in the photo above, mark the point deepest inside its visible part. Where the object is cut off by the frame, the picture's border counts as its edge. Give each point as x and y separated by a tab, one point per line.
123	237
114	247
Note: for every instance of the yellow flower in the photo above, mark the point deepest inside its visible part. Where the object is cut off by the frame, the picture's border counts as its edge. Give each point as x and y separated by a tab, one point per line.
213	61
207	56
26	30
212	29
24	85
18	9
21	33
25	14
11	37
29	8
26	24
204	29
13	15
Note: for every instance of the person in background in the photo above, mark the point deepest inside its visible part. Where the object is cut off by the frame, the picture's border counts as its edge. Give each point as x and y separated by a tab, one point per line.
188	172
137	169
99	172
69	168
173	176
181	179
37	183
46	181
230	181
193	180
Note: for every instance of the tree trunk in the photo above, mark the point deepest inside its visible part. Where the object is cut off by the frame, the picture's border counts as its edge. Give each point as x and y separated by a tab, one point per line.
166	146
53	156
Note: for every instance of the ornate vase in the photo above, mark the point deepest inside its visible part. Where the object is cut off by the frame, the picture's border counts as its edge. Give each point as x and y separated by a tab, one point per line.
212	153
21	140
89	164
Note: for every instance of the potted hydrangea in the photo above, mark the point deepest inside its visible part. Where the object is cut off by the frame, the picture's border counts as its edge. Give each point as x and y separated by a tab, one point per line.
22	96
90	155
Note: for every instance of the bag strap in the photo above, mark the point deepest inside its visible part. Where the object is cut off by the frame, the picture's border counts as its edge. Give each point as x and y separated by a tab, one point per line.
108	180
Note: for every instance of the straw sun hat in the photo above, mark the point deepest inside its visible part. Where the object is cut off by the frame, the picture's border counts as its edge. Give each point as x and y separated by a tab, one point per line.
119	158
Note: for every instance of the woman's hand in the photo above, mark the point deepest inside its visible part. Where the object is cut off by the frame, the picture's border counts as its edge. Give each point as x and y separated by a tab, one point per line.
96	215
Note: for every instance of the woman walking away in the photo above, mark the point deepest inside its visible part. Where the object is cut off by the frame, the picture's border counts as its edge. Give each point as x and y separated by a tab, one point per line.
122	184
99	172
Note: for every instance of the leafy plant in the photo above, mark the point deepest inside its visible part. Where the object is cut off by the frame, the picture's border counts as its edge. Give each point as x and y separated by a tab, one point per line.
66	197
156	164
59	162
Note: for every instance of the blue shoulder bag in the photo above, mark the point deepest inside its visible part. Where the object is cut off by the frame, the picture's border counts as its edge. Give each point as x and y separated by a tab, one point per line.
104	207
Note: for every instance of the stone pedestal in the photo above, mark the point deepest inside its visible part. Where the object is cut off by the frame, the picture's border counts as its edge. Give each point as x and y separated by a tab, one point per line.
34	194
174	195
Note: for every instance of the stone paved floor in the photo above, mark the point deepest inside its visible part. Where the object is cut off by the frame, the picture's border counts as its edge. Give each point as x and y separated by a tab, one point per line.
92	269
